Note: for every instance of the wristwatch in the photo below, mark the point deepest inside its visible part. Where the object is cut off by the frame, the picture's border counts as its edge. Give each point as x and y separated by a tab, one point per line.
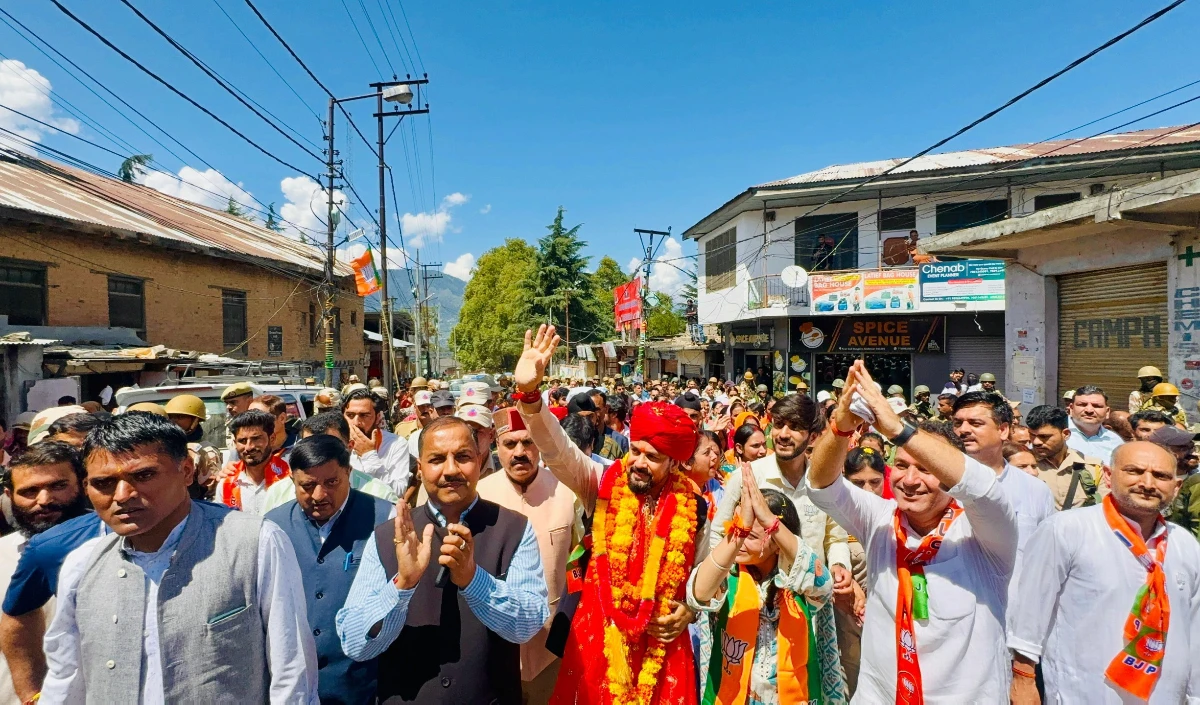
905	435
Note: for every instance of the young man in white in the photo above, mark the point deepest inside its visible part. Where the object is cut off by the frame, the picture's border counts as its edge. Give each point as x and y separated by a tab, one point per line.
938	560
1108	601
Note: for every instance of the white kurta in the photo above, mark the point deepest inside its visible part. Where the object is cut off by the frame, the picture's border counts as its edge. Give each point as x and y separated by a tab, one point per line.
1077	557
1033	503
961	646
389	464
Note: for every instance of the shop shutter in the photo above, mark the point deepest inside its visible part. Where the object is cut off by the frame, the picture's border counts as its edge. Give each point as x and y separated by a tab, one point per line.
1110	323
978	354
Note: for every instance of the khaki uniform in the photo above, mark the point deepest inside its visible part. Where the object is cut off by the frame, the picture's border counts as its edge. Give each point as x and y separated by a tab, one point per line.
1185	511
1136	399
1177	415
925	410
748	391
1092	486
404	429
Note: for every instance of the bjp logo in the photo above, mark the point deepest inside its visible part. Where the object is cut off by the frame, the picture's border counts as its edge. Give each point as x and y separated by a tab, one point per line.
734	650
908	645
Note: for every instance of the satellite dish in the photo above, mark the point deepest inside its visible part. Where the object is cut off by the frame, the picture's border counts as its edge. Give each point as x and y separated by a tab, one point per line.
793	276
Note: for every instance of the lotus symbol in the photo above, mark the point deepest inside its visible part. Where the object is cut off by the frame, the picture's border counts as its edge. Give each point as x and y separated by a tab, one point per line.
734	650
908	644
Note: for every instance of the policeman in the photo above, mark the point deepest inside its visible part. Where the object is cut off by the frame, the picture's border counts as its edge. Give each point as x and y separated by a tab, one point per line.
762	392
188	412
921	405
746	389
987	383
897	391
237	398
1148	377
838	386
417	384
1163	397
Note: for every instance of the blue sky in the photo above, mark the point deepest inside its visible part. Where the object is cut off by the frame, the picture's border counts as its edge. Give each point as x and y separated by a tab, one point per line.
628	114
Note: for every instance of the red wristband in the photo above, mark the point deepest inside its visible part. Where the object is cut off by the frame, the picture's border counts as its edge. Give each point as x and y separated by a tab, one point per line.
529	397
837	432
773	527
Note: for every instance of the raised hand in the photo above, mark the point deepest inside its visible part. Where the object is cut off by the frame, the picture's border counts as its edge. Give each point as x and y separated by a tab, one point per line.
886	420
535	358
360	442
412	551
746	509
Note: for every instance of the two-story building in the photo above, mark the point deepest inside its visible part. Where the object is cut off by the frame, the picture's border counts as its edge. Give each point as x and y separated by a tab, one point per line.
807	273
82	250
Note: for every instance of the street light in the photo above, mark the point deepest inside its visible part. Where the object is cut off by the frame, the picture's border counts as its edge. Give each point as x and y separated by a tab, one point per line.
400	92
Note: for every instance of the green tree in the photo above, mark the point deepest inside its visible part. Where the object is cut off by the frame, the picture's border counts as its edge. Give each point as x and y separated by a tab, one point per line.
236	210
689	290
134	165
608	276
662	320
561	287
496	308
272	221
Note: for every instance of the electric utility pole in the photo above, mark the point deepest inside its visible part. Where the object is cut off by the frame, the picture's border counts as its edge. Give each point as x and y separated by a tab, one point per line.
646	237
327	285
425	277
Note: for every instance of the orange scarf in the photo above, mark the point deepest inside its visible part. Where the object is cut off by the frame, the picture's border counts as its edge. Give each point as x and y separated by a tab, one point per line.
231	491
797	673
1137	668
910	568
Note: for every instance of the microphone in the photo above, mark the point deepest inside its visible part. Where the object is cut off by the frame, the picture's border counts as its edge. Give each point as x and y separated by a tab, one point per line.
443	577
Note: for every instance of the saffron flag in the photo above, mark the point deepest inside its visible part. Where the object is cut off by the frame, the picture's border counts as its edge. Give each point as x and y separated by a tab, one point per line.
366	276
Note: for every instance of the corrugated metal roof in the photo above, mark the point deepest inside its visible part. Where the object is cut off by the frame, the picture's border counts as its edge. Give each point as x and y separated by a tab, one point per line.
1156	137
59	191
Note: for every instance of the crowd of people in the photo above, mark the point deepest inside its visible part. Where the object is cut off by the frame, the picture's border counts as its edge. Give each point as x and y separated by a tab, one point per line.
539	540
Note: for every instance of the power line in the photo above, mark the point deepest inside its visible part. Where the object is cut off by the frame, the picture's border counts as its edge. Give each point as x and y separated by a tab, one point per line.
992	113
371	26
220	81
411	35
360	38
172	88
396	33
266	60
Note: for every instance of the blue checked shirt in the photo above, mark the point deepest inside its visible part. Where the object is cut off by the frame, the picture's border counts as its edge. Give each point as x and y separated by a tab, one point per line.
515	608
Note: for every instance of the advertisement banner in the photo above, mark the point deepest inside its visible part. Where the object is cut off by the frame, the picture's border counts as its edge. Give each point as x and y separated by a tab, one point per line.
965	280
627	302
882	334
884	290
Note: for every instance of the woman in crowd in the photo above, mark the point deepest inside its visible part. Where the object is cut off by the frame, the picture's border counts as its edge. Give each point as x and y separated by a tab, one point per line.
763	615
749	444
1021	458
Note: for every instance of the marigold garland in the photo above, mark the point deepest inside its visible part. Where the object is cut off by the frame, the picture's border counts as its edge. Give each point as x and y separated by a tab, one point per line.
672	543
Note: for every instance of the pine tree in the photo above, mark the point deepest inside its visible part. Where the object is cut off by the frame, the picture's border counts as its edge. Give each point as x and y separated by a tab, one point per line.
133	166
235	209
272	221
562	288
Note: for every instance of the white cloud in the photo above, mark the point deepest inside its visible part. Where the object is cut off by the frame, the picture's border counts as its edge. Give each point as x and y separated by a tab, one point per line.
461	268
669	273
208	188
422	228
486	209
26	90
306	207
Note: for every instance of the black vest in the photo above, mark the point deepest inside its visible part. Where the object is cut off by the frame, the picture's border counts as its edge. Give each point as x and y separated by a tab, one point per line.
444	654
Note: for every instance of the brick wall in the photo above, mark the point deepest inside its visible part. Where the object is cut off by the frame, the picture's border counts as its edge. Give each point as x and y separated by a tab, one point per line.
183	297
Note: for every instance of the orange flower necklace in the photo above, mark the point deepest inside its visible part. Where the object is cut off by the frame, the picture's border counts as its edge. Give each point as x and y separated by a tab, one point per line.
627	606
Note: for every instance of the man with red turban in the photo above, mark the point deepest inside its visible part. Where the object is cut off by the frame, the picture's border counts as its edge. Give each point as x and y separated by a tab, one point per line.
628	640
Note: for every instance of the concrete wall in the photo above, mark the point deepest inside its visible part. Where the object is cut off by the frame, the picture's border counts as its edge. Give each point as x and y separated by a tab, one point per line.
182	292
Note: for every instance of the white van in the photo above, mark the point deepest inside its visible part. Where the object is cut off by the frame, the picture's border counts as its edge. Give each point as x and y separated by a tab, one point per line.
298	397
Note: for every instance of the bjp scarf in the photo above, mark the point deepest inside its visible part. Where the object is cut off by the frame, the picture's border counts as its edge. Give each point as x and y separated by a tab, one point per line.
1137	668
912	601
798	675
231	491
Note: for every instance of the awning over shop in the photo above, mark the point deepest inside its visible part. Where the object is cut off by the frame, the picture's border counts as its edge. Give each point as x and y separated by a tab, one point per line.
1160	207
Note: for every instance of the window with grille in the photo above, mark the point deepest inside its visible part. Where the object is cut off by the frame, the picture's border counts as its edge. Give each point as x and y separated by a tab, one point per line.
720	261
127	304
827	242
898	219
23	294
233	322
956	216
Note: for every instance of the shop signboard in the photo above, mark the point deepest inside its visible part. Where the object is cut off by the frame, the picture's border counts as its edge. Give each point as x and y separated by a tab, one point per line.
274	341
963	280
869	334
880	291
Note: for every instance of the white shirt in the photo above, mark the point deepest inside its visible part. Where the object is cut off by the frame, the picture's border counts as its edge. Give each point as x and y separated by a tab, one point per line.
253	494
1033	503
11	548
291	656
389	464
1099	446
961	646
1077	558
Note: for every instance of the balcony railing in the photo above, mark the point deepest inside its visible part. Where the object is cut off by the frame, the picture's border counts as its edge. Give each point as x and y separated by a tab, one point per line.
769	292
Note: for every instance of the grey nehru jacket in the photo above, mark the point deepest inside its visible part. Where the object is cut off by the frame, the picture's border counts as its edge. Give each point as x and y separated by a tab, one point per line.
211	634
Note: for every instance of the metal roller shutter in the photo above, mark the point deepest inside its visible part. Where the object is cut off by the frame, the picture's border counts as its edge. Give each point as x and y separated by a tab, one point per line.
978	354
1110	323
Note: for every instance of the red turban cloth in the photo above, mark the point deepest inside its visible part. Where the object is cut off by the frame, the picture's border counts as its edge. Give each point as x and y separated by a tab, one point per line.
666	427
